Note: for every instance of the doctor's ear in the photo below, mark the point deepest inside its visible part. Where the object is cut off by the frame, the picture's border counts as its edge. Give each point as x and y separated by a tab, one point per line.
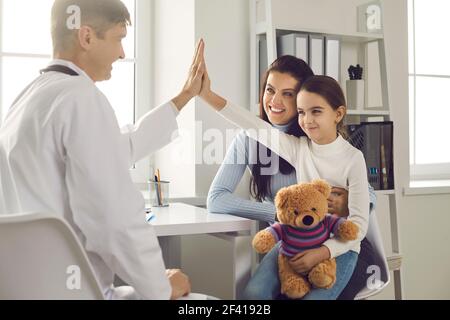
85	36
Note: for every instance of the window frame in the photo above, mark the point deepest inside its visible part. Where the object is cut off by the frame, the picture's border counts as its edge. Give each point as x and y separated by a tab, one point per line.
142	21
1	68
143	84
434	171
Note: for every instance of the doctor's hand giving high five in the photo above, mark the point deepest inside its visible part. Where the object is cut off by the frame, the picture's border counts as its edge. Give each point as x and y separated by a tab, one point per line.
179	282
193	83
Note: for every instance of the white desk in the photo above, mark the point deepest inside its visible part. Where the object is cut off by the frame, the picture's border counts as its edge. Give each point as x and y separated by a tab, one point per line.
220	236
184	219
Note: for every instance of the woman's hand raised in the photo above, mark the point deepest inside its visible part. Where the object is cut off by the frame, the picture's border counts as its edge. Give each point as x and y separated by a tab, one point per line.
194	80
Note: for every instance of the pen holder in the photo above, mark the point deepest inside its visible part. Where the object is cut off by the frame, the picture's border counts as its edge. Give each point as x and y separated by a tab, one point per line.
159	193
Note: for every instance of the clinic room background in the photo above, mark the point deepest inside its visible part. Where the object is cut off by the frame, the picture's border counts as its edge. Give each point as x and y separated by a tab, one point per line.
406	74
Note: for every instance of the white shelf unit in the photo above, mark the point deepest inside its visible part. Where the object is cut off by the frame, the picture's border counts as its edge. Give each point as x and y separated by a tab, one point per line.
357	113
368	113
263	26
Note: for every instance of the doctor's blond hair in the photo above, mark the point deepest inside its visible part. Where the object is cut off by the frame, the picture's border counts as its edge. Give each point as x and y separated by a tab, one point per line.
100	15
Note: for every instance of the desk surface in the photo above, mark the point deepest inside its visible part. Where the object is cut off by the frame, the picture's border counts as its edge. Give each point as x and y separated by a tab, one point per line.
184	219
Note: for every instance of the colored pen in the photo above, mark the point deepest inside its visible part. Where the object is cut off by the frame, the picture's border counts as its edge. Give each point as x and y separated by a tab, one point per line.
150	216
159	187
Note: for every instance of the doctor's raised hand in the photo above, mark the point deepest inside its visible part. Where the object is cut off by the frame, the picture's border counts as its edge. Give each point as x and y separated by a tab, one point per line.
193	83
210	97
67	112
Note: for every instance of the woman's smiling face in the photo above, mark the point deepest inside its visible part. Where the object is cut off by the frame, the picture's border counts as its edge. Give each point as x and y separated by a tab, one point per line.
280	98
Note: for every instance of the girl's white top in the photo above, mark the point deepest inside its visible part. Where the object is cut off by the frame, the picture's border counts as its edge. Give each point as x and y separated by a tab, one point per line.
339	163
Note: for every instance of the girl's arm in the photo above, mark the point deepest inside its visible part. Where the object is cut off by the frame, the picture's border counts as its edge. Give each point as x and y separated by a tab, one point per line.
358	204
285	145
221	198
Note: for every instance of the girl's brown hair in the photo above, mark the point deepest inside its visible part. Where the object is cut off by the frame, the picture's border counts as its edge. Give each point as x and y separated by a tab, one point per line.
329	89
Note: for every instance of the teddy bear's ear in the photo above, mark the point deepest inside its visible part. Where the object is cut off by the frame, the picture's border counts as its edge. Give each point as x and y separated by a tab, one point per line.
281	199
322	186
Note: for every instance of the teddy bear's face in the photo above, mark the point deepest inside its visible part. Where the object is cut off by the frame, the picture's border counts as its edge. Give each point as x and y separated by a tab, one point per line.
303	205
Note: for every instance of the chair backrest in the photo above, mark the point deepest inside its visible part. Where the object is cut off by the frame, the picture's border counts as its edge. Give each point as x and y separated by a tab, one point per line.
375	239
42	259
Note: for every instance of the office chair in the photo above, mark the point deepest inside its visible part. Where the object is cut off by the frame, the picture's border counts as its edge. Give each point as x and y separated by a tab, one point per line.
38	254
42	259
374	237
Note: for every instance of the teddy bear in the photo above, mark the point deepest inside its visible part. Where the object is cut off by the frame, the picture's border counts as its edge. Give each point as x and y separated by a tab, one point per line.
304	223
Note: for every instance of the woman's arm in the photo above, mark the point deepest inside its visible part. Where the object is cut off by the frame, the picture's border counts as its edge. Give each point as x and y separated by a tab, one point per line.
221	198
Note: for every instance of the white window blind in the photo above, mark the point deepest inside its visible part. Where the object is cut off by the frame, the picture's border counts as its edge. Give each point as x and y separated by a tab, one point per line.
429	84
26	47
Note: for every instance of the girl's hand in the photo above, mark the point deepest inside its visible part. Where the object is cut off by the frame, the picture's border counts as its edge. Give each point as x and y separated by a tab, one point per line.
210	97
303	262
205	92
194	80
193	83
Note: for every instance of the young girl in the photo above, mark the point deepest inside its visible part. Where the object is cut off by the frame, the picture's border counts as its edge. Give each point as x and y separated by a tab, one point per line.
322	154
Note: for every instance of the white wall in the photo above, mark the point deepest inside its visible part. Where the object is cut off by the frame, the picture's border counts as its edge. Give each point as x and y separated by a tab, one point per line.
339	16
179	24
425	243
174	43
224	25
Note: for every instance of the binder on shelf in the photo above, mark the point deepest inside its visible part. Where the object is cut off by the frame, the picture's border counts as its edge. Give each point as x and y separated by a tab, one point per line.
294	44
316	54
375	140
387	169
333	57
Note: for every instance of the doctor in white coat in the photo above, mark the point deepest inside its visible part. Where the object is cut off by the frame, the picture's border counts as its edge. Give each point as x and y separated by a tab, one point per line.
61	151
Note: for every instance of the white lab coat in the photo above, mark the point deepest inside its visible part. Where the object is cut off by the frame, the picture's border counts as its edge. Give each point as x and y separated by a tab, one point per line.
61	151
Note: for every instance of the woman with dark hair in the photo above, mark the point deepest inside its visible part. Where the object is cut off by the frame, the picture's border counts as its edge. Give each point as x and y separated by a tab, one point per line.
270	173
278	107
